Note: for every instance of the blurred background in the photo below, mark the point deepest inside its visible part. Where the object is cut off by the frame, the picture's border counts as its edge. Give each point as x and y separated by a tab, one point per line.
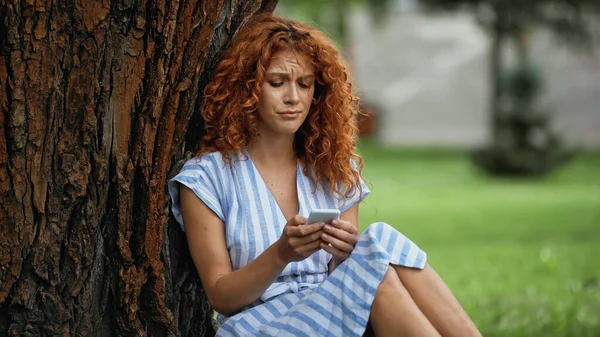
481	139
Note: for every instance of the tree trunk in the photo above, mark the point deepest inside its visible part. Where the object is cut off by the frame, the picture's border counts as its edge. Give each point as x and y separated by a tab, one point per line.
96	112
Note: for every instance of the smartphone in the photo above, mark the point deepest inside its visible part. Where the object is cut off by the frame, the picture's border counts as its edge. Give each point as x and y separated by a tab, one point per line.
323	215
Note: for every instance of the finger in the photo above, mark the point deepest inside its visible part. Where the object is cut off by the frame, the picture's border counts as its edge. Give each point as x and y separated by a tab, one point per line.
310	247
306	229
345	225
297	220
334	251
337	243
341	234
316	236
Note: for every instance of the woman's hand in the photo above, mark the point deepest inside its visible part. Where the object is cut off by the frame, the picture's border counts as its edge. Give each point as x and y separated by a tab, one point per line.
299	241
339	240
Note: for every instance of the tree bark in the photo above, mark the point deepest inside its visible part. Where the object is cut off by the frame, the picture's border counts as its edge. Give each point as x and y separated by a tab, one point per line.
97	102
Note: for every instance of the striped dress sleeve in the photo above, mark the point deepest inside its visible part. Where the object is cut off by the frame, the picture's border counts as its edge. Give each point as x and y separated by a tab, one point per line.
201	175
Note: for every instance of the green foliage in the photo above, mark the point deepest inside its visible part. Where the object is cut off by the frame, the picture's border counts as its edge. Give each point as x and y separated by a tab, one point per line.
331	15
520	254
568	19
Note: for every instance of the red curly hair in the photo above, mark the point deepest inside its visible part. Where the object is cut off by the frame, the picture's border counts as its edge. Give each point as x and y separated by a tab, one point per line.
326	139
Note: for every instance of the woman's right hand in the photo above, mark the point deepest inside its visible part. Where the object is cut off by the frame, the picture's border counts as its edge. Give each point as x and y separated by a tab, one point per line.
298	240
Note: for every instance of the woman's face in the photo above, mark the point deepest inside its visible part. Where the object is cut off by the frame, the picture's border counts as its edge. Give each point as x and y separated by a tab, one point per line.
286	93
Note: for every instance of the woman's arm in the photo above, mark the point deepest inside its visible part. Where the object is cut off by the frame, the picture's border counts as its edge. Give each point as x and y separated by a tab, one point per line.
230	291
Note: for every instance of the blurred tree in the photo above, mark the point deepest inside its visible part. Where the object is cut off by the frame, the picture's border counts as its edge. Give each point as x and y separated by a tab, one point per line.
96	112
332	15
523	142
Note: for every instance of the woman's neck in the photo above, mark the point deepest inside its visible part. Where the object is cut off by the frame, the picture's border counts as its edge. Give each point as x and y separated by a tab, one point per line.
273	150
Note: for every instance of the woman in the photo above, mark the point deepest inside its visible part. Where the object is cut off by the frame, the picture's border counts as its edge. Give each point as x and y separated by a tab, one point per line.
280	121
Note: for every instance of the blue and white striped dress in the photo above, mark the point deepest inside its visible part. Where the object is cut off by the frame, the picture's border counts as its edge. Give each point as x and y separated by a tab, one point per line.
304	300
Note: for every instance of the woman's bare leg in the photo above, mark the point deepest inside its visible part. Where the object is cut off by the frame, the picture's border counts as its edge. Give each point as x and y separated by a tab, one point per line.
394	313
436	301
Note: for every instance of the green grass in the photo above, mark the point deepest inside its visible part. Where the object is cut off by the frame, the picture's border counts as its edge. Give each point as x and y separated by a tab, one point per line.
522	255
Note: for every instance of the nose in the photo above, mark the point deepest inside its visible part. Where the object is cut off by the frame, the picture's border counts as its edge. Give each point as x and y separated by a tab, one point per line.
292	96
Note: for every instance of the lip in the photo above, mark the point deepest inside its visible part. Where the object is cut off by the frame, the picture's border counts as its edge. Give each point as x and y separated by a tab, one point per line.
290	113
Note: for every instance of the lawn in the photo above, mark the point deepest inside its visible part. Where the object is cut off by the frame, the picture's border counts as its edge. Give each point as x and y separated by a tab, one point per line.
522	255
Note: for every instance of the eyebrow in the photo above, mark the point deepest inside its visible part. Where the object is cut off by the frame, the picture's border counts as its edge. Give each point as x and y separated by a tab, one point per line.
287	76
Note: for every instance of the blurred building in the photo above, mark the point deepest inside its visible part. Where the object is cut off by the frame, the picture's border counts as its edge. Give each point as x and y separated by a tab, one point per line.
427	75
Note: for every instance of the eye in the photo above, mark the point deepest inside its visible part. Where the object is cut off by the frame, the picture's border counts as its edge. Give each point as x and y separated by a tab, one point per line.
302	85
276	84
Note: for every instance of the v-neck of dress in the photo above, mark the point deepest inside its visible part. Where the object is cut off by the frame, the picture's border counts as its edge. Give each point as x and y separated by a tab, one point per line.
299	192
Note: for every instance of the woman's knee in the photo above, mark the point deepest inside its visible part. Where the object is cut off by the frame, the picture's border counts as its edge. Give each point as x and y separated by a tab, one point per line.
390	284
377	231
406	272
379	227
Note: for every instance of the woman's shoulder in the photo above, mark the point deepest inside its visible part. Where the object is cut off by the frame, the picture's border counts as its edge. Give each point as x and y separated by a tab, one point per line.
205	159
212	161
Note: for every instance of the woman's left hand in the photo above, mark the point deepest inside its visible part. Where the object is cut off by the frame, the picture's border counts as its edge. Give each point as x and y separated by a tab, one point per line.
339	239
